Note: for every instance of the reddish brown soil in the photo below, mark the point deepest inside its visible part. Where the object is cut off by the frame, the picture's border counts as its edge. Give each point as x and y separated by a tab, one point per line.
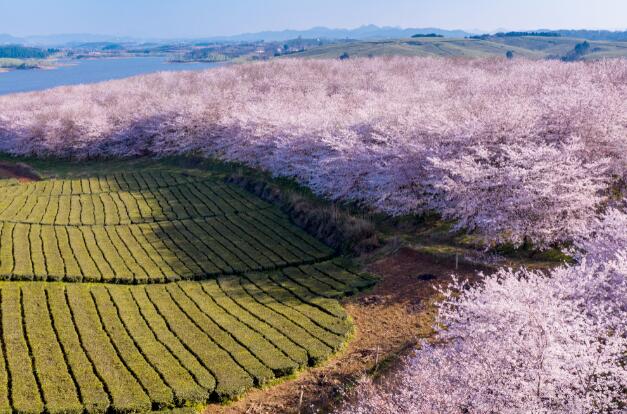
389	320
20	171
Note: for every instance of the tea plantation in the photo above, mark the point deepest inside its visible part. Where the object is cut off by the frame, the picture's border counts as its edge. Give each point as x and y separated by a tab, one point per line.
132	292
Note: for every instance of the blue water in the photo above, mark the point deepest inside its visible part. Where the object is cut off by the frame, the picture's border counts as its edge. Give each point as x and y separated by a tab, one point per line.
89	71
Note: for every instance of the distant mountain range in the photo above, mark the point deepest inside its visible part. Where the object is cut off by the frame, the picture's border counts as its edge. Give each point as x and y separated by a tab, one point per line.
369	32
8	39
62	39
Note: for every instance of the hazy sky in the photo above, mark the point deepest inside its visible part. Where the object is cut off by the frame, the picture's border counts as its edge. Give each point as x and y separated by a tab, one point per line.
197	18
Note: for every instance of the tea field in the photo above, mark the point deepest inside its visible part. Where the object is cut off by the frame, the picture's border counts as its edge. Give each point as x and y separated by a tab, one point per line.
149	290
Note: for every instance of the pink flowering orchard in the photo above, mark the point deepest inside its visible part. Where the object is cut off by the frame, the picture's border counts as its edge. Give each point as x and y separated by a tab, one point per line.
523	341
514	149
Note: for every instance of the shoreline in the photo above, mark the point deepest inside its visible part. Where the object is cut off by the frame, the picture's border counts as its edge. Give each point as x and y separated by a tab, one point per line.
11	69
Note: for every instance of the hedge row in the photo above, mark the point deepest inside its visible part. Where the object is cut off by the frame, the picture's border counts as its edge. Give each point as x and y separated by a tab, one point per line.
70	348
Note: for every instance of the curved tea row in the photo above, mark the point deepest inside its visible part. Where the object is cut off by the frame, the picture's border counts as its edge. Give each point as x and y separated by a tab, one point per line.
121	199
69	348
112	229
185	290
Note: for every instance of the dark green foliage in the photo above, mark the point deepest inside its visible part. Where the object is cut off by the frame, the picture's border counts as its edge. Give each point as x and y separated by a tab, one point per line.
578	52
23	52
419	35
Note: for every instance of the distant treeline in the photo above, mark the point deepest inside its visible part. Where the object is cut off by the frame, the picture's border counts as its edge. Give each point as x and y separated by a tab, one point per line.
427	35
580	34
578	52
517	34
595	34
22	52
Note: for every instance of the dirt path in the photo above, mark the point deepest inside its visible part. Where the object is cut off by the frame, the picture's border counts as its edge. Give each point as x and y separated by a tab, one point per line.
389	321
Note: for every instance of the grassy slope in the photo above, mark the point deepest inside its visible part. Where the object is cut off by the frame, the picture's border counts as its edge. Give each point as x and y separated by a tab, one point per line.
559	46
533	47
11	63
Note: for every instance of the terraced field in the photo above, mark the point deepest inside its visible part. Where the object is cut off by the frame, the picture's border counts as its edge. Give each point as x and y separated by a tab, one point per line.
150	227
185	291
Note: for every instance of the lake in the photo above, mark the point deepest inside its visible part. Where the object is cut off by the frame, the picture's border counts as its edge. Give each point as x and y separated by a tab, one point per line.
89	71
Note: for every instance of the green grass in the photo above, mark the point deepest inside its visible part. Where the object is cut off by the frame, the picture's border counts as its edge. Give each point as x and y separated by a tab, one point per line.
11	63
560	46
156	290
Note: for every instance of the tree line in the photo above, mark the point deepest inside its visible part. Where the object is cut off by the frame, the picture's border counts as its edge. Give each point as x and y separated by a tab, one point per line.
23	52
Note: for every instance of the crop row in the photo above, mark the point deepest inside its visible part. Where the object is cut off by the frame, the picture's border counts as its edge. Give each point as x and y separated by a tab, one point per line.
155	252
70	348
187	200
8	182
95	184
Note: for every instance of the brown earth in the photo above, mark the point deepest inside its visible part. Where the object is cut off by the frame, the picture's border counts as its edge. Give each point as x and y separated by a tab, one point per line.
389	320
20	171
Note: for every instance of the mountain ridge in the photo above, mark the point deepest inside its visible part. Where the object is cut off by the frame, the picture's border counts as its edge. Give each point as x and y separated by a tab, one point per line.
365	32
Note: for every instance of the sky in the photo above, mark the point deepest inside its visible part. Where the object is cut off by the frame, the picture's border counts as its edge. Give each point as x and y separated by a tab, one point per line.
204	18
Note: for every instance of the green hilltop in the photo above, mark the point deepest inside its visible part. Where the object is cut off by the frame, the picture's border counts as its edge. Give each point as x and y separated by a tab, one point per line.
532	47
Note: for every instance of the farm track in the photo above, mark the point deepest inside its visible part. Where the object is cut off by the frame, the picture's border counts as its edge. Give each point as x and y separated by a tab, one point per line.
186	290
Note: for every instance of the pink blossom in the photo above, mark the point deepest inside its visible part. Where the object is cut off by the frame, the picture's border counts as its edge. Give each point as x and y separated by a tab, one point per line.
523	341
544	192
401	135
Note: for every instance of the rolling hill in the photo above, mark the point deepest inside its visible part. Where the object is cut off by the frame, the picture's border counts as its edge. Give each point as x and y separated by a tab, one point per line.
532	47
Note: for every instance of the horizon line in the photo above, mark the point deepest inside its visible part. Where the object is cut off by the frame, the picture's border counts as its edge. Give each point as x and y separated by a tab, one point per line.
194	37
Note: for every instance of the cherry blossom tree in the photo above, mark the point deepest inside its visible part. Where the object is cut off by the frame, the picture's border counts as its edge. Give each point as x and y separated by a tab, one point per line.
523	341
600	239
384	132
516	192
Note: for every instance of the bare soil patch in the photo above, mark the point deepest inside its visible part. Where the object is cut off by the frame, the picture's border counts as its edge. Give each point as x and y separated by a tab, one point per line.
389	321
20	171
